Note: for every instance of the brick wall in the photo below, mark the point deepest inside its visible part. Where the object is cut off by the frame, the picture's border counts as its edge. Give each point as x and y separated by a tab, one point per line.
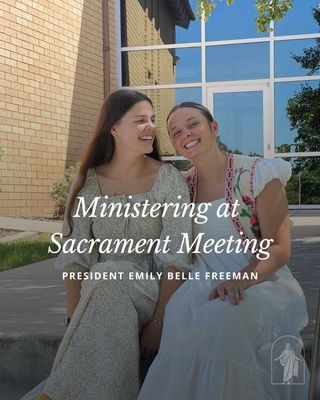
51	89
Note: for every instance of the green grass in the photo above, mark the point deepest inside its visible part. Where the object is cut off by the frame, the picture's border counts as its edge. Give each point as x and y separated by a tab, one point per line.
24	252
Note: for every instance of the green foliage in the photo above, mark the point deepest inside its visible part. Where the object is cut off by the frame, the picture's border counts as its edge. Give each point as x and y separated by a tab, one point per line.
24	252
303	110
61	189
304	113
307	185
206	7
272	10
311	57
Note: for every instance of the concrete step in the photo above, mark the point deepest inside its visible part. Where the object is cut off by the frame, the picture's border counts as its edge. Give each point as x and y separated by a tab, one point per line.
10	391
25	361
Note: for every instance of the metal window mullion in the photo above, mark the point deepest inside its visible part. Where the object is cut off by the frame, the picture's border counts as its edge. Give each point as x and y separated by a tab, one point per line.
297	37
161	46
118	45
164	86
250	82
236	41
217	42
270	135
298	78
299	154
203	61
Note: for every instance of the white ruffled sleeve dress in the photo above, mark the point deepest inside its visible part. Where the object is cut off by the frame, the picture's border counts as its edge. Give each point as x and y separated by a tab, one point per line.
213	350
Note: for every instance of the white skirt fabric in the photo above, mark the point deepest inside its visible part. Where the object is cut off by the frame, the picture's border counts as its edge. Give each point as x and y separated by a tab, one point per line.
218	351
213	350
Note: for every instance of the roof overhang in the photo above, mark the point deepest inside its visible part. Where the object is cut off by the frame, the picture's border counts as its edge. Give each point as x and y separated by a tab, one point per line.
181	12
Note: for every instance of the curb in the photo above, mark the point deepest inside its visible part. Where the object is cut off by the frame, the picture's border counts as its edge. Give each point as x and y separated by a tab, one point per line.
27	360
19	236
23	224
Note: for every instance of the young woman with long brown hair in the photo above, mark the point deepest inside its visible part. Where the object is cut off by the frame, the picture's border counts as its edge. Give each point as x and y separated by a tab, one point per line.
99	354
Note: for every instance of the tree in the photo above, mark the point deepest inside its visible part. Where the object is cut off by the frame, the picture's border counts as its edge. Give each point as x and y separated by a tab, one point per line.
303	110
268	10
311	58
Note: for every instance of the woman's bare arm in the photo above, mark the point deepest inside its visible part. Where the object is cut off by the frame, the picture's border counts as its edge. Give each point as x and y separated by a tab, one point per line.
274	222
273	216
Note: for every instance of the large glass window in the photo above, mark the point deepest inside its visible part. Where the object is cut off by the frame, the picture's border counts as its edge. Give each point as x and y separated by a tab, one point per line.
303	188
232	79
297	110
299	20
188	65
193	32
286	63
240	119
233	22
154	22
156	67
237	62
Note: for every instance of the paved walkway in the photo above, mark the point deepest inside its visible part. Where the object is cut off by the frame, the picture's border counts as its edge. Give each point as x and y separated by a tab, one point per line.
31	323
30	225
34	296
298	217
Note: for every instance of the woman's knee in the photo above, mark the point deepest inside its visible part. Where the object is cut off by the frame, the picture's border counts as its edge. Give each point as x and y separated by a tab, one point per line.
225	313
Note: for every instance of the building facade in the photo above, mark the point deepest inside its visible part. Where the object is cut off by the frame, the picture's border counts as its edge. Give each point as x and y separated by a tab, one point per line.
59	59
51	90
262	88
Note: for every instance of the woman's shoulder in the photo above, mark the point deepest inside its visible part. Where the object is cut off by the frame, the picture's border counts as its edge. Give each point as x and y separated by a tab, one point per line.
169	179
170	172
89	187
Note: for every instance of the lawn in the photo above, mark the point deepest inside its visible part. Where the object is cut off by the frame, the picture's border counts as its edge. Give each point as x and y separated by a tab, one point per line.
24	252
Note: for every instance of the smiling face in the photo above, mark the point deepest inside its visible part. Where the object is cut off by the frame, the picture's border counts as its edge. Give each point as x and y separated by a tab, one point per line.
136	130
191	133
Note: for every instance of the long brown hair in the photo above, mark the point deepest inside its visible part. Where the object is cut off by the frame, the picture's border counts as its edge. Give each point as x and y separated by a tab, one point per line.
101	147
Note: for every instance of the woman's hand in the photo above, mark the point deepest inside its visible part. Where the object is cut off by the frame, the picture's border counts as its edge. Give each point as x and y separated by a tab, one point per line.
150	339
234	289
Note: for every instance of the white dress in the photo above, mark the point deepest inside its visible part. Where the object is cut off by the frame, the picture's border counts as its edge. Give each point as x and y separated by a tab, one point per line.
218	351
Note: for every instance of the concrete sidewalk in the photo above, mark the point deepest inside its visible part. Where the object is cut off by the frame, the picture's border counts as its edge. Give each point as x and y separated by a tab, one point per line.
34	299
298	217
30	225
31	328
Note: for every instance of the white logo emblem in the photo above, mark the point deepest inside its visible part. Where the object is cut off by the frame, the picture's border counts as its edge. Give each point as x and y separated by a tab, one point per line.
287	362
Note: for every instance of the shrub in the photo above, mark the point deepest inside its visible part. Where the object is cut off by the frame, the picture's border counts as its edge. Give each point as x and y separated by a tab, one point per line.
61	189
